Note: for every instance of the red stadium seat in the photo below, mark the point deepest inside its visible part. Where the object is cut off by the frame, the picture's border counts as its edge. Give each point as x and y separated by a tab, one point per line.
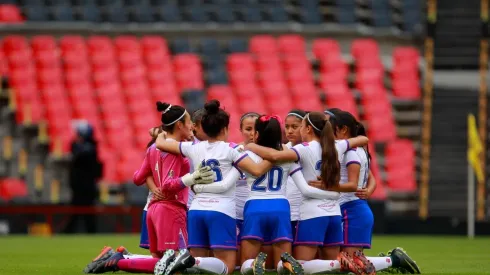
72	43
127	43
240	61
307	103
381	129
10	14
153	43
43	43
405	54
406	89
263	45
100	44
11	188
13	43
364	47
29	112
268	63
253	104
324	47
292	44
280	105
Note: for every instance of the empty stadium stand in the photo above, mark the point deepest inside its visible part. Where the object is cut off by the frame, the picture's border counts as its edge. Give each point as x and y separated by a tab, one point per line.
404	16
114	82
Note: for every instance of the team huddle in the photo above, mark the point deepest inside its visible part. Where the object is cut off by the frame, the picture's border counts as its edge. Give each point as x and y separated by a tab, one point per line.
258	206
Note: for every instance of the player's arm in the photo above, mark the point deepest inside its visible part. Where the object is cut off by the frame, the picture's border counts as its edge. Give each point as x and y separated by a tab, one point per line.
171	184
358	141
169	146
255	169
157	194
370	188
273	154
139	177
353	164
310	191
219	186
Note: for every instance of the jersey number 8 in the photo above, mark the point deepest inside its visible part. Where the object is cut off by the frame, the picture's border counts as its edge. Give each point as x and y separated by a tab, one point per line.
274	181
214	164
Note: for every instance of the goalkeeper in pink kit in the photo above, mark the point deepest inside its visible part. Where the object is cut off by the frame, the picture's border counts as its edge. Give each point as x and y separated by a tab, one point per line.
166	219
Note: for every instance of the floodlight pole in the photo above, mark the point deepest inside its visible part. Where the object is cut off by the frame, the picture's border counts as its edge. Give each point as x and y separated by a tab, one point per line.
471	202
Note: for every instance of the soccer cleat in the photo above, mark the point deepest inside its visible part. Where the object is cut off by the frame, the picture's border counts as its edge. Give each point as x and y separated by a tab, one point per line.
181	262
258	266
401	260
108	265
291	264
104	254
162	264
123	250
347	263
364	263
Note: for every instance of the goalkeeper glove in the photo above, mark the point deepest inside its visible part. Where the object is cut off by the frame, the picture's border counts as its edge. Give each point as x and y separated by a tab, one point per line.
202	175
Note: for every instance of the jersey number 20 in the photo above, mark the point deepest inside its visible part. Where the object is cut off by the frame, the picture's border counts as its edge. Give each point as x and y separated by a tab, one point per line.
274	181
214	164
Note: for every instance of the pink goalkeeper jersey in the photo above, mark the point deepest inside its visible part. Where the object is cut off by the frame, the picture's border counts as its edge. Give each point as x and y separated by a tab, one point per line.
167	169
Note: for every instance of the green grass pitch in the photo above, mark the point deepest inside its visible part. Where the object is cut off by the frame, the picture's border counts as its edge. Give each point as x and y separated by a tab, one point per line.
68	255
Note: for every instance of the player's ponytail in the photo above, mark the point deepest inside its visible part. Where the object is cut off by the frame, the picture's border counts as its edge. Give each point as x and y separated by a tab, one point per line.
270	132
171	114
330	168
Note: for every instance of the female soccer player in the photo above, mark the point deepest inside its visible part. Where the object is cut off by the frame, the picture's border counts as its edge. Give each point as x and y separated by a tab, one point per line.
292	126
211	218
247	129
320	223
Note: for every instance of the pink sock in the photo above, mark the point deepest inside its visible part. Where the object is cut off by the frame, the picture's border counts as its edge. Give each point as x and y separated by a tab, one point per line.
138	265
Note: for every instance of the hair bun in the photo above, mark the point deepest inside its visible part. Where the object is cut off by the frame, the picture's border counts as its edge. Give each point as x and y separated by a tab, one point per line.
212	107
162	106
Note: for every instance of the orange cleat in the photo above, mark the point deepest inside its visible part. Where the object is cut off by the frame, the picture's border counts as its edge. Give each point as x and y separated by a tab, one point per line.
104	251
361	260
348	264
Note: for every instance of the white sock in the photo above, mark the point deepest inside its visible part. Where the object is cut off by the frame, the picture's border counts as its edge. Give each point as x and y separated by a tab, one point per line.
247	267
280	268
320	266
137	256
380	263
211	265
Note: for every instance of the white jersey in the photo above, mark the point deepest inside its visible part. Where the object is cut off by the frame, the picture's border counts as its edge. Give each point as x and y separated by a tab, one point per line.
350	157
363	175
293	195
191	193
148	200
273	184
242	193
221	157
310	156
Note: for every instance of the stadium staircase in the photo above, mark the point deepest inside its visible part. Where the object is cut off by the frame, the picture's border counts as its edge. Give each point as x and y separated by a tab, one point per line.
458	33
448	173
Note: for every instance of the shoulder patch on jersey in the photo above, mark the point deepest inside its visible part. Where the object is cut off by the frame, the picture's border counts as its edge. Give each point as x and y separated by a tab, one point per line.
233	145
305	143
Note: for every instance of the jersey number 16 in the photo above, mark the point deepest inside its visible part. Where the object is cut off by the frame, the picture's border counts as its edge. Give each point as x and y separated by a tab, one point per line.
214	164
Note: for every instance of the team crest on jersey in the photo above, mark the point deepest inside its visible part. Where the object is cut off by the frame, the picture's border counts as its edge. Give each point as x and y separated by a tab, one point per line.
171	173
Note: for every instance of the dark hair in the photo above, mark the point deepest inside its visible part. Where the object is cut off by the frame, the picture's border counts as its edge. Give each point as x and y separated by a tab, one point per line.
171	115
299	114
270	132
361	131
330	168
247	115
344	119
153	139
197	115
214	119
